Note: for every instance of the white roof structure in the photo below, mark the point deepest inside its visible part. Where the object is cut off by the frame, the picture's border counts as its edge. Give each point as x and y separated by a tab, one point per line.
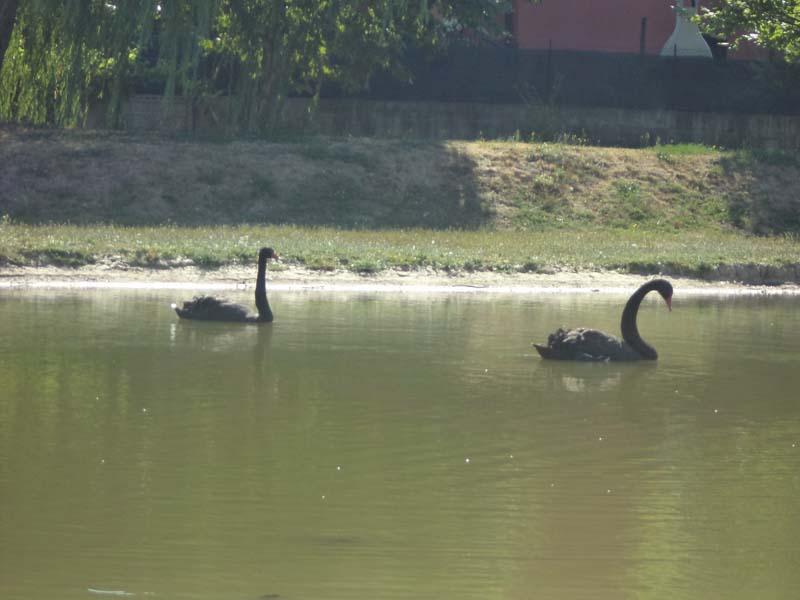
686	39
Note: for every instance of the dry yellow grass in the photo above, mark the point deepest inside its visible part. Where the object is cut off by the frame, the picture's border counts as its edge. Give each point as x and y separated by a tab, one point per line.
107	177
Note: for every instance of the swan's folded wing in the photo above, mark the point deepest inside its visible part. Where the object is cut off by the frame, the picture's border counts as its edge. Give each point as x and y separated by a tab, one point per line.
598	345
582	344
213	309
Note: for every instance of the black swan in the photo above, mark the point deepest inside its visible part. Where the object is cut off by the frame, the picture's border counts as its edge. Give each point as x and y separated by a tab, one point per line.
208	308
591	344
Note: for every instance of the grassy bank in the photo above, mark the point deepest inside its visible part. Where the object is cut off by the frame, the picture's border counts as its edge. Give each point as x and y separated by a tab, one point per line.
712	255
367	205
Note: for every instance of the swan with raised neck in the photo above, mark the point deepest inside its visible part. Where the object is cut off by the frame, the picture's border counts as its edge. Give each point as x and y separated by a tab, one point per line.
209	308
592	345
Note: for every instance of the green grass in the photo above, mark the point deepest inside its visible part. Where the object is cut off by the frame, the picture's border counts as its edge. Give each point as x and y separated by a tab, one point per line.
638	251
671	152
684	149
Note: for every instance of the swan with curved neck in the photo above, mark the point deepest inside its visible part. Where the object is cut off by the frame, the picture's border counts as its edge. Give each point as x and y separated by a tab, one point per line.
592	345
208	308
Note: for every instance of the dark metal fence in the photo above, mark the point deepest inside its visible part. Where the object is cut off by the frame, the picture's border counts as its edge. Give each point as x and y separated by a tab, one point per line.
509	75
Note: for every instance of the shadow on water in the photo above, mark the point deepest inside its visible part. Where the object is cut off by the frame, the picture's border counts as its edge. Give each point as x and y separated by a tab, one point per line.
356	183
230	347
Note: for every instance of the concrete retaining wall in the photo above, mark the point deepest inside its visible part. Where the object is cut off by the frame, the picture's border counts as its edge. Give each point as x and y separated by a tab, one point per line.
456	120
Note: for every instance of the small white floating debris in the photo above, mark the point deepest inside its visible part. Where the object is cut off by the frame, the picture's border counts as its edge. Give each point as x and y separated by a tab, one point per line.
511	456
110	592
338	467
466	460
716	411
323	496
144	410
600	439
608	491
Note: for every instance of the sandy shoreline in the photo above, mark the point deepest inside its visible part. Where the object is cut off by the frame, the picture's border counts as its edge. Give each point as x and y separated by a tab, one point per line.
299	279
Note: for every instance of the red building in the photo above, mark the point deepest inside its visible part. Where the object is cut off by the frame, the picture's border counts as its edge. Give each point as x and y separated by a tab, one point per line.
595	25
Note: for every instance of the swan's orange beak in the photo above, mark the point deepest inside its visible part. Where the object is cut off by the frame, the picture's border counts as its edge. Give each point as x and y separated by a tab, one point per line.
669	302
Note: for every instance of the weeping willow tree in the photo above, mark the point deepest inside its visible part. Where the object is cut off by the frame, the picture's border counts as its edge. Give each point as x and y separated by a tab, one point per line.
8	13
64	55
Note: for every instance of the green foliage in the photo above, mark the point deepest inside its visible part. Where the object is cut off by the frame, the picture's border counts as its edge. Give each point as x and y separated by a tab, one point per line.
63	56
772	24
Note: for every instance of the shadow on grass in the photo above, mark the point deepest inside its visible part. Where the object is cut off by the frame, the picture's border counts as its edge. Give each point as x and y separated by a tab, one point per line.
353	183
769	203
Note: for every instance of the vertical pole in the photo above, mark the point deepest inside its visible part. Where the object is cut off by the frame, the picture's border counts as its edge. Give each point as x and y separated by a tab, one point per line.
643	36
642	67
548	72
674	59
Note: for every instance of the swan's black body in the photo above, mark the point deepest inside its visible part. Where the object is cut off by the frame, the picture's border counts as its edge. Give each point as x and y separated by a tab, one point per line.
593	345
208	308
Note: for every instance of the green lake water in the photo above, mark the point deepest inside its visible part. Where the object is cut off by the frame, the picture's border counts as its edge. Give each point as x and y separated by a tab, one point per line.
380	445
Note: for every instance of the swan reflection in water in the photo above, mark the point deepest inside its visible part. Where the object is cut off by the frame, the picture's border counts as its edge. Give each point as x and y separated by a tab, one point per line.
580	385
594	377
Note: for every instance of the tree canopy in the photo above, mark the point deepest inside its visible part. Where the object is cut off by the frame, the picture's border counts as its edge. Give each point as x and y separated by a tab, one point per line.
61	56
772	24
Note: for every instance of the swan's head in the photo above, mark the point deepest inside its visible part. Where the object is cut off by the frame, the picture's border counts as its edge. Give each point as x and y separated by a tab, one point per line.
664	287
266	253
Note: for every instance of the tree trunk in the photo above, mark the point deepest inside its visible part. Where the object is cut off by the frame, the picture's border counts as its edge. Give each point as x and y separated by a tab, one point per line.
275	71
8	15
275	88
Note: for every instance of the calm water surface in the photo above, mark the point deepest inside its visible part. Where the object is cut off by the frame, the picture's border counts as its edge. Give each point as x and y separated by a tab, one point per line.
381	446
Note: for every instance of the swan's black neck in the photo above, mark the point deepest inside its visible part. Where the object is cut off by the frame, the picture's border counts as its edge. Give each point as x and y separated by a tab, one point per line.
630	332
262	304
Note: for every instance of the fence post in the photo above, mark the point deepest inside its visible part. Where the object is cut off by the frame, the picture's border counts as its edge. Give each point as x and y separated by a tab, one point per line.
642	36
548	82
674	60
